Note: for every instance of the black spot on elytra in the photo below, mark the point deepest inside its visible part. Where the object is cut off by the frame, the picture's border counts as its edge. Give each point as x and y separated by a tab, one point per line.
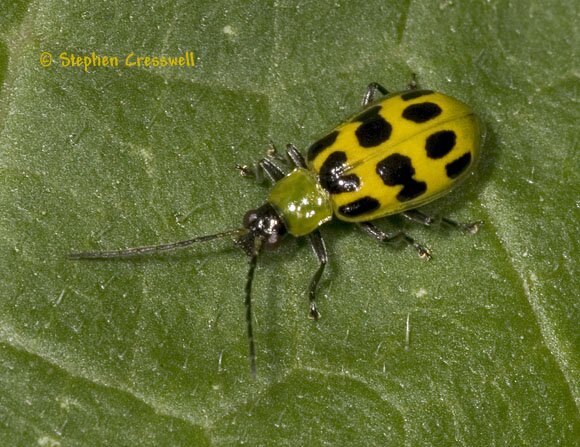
422	112
415	94
397	169
321	144
374	129
439	144
358	207
456	167
411	190
331	177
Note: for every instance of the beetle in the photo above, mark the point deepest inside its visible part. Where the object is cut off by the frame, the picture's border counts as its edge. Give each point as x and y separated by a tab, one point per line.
399	152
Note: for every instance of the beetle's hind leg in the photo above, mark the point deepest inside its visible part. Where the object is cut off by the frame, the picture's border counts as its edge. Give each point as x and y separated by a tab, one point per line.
424	219
396	236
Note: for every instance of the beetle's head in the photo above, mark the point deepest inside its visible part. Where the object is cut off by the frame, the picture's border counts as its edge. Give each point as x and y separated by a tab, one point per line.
262	223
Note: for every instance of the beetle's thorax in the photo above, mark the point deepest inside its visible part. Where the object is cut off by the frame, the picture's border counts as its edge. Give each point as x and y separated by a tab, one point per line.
301	202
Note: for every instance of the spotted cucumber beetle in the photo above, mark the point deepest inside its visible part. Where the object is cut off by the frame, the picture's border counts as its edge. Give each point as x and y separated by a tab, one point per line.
400	152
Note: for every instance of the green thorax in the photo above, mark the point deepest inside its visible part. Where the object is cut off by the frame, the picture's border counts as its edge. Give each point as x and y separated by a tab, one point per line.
301	202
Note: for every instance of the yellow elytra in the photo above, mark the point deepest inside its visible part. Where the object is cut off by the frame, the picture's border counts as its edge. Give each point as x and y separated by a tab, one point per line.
400	152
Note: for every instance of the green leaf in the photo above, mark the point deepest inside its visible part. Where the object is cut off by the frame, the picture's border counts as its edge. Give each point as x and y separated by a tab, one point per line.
477	347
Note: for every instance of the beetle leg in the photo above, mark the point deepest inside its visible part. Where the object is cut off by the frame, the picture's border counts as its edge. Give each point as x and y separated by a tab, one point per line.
424	219
419	217
319	248
295	156
268	166
413	85
273	172
371	93
381	236
265	168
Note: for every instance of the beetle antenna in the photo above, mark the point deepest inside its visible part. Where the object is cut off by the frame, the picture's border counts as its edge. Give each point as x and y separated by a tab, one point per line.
149	249
253	261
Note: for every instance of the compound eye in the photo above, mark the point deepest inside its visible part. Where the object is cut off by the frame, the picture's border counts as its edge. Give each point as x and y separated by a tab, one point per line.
249	218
